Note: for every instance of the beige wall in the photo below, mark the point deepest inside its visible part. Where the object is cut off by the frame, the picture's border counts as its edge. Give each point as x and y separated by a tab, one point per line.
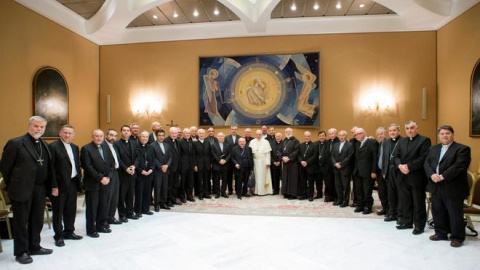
458	52
29	42
351	66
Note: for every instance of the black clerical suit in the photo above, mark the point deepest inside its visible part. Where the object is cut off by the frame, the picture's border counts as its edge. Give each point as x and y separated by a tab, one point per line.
64	206
114	185
95	167
276	170
389	173
186	169
308	152
203	162
365	163
448	194
220	171
127	150
330	185
381	182
231	142
211	140
290	171
243	157
324	166
173	170
144	162
160	178
28	173
344	173
411	186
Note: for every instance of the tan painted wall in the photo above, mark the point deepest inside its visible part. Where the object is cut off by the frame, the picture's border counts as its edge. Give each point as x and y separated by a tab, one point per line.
458	51
351	65
29	42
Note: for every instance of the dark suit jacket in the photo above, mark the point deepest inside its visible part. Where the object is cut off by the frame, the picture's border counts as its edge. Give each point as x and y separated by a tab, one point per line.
63	166
144	159
453	167
276	154
217	155
174	153
344	157
94	167
19	168
211	140
366	158
237	155
152	138
310	155
161	158
203	155
229	140
127	151
388	161
323	154
186	154
414	157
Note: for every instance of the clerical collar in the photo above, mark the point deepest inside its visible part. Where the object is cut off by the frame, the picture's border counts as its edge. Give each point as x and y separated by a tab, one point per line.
201	140
33	139
413	138
126	141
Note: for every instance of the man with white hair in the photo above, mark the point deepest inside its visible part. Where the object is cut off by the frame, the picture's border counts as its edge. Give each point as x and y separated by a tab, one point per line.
330	193
307	157
290	171
152	137
261	159
27	169
186	167
276	162
173	170
221	156
193	133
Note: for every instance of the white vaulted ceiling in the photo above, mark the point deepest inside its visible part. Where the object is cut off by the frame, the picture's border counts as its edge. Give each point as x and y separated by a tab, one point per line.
134	21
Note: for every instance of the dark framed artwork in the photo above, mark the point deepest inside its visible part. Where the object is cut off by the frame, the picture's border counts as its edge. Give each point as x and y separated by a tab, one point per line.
475	102
281	89
50	99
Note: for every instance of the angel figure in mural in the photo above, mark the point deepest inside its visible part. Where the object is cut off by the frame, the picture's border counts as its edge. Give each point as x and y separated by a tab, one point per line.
211	87
308	80
257	94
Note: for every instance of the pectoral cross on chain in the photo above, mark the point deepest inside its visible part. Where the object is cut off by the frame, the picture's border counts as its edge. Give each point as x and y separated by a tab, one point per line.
40	160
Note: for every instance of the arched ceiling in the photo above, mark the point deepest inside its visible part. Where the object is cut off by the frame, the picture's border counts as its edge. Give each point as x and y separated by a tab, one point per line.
134	21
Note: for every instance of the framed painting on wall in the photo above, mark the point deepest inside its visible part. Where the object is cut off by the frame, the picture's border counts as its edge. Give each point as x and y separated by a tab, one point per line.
475	102
50	99
255	90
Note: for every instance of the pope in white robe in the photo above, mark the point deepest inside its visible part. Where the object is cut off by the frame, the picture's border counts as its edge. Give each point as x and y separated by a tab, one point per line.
261	161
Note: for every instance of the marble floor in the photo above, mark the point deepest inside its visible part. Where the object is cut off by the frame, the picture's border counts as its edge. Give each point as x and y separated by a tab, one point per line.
173	240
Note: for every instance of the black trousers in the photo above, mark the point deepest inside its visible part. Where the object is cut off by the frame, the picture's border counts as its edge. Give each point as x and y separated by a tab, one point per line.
382	191
276	173
230	175
221	174
308	183
448	216
241	181
412	201
392	192
96	212
330	184
28	221
114	194
342	185
127	192
203	179
173	185
160	187
186	185
143	193
322	174
64	209
363	188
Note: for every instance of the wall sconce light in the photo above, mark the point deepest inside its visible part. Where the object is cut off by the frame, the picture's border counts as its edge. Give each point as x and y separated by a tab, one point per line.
378	105
377	102
146	105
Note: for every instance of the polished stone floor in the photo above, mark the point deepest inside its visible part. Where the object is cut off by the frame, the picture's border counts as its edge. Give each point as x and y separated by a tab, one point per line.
173	240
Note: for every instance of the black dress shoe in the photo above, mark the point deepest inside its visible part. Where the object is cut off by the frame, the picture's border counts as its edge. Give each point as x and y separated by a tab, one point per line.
114	221
310	199
336	203
403	226
169	204
247	195
390	218
217	196
139	215
207	197
124	219
183	200
104	230
239	197
24	258
301	198
157	208
382	212
367	210
200	198
163	206
177	202
318	197
344	204
417	231
59	242
72	236
354	204
190	199
133	216
275	193
328	199
148	213
224	195
93	235
358	209
40	251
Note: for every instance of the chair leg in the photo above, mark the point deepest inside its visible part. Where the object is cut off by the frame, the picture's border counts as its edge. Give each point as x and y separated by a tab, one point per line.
469	222
1	248
48	217
9	229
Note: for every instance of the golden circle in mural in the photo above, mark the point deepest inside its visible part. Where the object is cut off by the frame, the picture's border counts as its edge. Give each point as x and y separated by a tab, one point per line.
257	91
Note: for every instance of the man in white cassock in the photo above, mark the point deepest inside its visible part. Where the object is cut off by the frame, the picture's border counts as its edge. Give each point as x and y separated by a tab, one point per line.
261	159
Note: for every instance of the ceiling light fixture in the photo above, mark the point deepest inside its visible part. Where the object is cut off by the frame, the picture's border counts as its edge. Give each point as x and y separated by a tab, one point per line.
362	5
338	6
155	17
316	6
175	15
293	7
216	12
195	13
